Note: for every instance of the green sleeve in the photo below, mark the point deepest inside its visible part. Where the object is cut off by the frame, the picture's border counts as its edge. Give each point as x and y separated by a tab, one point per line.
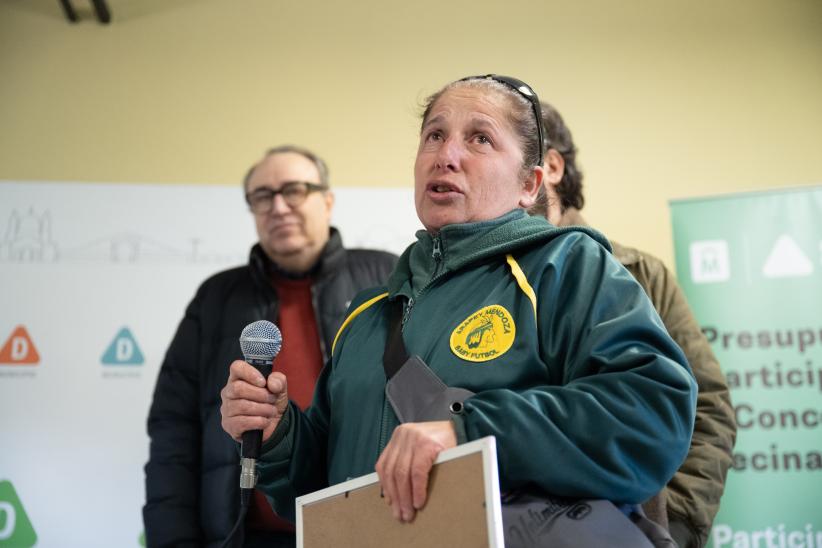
293	462
615	419
295	459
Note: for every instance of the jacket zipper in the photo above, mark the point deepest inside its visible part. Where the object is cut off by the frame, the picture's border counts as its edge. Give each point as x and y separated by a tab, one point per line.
315	304
384	433
407	312
436	254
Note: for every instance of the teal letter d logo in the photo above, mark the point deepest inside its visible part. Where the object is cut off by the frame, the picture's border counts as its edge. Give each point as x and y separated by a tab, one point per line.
123	350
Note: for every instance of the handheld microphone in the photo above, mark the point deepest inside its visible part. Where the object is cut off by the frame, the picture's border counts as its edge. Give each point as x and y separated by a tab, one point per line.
260	342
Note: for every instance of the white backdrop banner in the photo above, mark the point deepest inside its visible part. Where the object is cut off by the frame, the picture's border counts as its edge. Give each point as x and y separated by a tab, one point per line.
95	278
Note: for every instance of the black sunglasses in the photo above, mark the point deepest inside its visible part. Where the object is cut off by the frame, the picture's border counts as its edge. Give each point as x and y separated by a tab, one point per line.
530	95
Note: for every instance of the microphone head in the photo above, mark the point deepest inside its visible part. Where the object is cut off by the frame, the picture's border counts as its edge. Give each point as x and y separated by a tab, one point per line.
261	340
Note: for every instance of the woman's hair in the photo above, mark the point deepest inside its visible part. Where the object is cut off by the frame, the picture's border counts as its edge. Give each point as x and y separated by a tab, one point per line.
520	114
559	138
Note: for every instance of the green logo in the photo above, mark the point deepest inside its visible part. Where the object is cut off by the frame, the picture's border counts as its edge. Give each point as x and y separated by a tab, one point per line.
15	527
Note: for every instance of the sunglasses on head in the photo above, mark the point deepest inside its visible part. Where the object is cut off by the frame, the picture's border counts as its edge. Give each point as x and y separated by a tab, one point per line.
530	95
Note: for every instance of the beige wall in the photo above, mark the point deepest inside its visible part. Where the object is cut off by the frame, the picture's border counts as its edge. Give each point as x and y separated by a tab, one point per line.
667	99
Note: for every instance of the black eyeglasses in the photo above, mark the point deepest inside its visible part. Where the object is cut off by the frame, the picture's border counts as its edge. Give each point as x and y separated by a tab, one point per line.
530	95
294	194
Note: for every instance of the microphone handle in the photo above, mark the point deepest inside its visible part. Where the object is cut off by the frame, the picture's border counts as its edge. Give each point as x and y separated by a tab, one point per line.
253	439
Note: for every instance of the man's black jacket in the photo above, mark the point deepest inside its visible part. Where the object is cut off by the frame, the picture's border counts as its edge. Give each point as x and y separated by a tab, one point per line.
192	476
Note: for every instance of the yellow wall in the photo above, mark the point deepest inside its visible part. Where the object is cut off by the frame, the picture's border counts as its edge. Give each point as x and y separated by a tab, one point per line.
667	99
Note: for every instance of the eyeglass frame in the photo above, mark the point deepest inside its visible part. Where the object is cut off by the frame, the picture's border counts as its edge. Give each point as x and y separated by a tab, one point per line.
526	91
310	187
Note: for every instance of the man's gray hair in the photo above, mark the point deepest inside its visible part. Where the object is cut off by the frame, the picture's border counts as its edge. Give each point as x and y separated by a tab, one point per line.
320	164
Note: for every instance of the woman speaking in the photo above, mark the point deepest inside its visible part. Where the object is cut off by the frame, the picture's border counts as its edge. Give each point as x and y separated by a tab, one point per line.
557	349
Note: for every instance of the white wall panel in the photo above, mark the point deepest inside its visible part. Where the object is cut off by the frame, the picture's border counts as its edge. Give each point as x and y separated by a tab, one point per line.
79	262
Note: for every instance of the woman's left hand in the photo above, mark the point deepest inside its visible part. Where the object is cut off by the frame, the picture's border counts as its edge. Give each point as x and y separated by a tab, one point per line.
406	461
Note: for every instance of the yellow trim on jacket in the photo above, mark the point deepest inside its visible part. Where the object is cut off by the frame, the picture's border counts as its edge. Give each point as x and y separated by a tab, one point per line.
356	312
522	281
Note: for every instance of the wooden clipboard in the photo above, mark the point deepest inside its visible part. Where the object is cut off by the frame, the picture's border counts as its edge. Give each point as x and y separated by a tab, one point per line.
463	508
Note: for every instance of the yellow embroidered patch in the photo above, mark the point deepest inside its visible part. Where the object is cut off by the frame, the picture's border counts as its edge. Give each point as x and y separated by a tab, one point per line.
485	335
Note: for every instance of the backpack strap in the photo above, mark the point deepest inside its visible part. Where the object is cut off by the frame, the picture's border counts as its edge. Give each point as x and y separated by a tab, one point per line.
395	354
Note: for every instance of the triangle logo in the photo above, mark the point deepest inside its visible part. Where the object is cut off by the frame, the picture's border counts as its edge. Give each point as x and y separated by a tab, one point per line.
15	526
19	349
786	260
123	350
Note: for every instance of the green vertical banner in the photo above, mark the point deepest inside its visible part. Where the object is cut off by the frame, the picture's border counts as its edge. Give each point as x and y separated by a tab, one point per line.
751	267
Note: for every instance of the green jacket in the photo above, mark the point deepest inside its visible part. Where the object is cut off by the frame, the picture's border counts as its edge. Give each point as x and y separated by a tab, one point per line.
573	371
692	496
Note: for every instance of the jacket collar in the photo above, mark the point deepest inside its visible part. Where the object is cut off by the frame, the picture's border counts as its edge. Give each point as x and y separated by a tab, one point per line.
460	245
625	255
331	258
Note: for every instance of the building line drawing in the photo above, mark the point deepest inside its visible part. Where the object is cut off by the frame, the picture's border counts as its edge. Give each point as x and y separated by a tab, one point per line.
28	238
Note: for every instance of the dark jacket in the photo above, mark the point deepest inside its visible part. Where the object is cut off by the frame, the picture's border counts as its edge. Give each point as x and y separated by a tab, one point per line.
192	476
692	496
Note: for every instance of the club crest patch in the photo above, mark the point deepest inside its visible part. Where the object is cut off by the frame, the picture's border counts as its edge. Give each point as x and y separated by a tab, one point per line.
485	335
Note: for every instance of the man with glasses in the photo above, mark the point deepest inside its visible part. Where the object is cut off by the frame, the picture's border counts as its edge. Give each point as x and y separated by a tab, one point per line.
690	501
300	277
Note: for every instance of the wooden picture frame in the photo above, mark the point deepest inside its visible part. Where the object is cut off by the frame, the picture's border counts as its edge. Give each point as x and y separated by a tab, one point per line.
463	507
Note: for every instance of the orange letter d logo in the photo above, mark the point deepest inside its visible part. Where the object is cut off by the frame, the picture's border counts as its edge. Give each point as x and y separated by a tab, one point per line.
18	349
